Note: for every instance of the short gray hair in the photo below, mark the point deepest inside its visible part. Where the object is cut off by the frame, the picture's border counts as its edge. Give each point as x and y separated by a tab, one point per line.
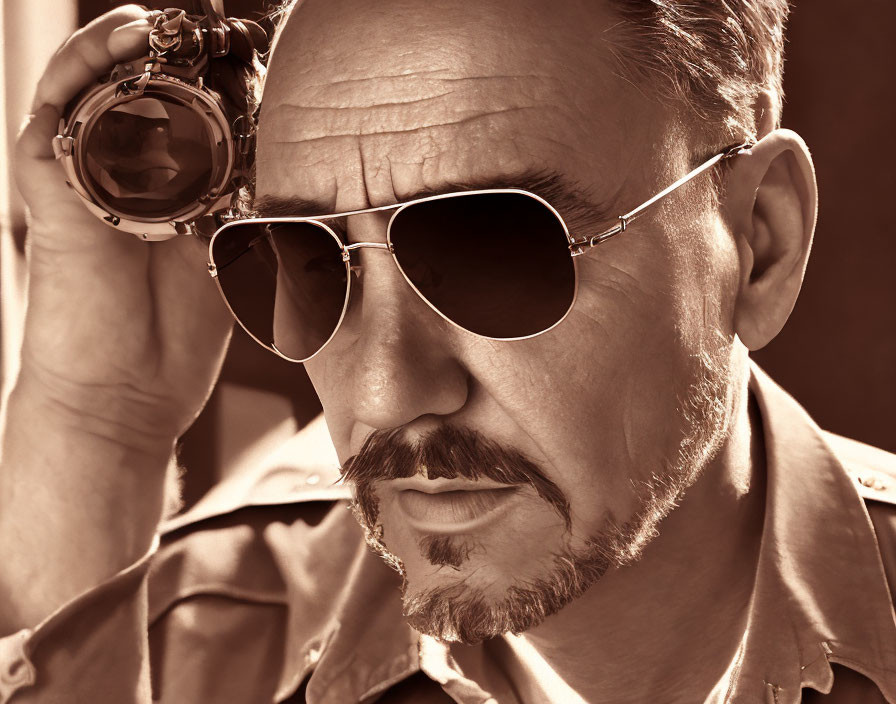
711	57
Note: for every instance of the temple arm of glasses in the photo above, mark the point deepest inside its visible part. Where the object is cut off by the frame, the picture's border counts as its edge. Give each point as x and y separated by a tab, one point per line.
578	246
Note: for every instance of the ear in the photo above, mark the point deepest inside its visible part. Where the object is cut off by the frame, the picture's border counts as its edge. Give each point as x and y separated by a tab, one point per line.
771	201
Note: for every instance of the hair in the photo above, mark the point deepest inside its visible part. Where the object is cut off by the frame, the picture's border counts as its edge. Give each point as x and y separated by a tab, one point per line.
714	58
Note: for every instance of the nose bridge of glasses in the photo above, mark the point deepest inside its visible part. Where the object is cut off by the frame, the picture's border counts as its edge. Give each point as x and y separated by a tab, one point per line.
371	245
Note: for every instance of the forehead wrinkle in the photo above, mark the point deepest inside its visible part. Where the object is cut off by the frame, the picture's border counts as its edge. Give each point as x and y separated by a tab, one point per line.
346	39
366	91
394	167
412	105
324	134
421	75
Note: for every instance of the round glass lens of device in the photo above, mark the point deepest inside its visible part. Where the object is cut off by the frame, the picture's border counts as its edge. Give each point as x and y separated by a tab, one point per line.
150	157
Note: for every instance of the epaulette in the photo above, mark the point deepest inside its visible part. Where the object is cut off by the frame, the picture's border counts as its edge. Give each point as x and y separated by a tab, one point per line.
873	470
875	484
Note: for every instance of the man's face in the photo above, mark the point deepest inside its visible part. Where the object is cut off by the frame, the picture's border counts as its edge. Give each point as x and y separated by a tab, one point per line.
597	424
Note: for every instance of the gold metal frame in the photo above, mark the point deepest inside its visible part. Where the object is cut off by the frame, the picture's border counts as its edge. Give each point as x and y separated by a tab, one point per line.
577	247
347	249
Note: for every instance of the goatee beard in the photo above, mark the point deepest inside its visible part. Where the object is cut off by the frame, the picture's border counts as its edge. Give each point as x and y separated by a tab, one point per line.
464	613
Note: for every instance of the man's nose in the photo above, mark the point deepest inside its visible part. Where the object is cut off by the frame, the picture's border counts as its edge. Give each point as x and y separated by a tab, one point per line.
400	356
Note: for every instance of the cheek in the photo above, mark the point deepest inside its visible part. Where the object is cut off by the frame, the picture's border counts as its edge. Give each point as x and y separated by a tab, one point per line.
597	400
704	275
326	373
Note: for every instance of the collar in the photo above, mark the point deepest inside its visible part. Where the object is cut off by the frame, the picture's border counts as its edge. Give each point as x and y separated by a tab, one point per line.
820	594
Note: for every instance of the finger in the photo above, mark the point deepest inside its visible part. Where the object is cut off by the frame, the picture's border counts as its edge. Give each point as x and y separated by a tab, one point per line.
40	126
92	51
132	37
37	131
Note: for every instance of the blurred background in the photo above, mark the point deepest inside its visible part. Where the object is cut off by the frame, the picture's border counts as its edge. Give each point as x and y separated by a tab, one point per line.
837	354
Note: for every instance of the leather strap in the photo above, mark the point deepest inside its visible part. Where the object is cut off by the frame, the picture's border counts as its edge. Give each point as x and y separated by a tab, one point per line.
219	31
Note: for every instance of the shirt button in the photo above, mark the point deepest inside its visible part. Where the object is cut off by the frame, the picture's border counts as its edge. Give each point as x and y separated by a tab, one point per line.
873	482
313	654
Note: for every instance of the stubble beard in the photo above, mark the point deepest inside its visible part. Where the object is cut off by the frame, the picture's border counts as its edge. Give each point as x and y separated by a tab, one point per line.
461	612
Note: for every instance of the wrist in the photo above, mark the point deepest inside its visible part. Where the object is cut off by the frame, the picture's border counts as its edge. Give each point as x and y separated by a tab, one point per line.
115	416
80	499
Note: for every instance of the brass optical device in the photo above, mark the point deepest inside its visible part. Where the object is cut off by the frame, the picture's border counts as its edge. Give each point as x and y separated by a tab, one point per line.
167	139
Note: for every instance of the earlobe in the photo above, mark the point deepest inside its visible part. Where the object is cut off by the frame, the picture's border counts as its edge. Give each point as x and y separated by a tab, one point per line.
771	201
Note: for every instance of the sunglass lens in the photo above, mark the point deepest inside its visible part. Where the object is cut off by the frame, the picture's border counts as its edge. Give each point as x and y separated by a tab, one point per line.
497	264
286	283
150	157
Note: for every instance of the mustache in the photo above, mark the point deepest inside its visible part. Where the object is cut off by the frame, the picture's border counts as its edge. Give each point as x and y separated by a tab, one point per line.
448	452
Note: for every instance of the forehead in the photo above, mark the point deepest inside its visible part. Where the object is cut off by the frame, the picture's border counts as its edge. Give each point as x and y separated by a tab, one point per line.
372	103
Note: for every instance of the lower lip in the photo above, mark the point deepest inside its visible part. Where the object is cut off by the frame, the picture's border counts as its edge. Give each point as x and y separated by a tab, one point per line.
453	511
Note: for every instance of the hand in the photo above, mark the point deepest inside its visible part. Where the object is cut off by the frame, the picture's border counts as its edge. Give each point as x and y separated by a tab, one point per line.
123	340
123	335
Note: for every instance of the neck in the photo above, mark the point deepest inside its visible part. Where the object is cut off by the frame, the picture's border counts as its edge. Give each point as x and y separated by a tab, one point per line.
667	627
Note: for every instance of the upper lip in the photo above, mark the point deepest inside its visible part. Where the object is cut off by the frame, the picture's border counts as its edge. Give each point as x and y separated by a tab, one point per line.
440	485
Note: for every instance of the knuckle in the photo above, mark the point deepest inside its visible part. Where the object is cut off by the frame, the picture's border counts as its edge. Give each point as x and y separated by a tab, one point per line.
40	90
134	11
26	132
94	36
93	54
118	16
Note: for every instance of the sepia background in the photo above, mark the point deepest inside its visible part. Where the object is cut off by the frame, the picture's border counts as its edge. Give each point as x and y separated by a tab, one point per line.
837	354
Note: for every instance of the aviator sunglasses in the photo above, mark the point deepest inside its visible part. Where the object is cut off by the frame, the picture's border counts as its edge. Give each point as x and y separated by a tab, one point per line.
497	263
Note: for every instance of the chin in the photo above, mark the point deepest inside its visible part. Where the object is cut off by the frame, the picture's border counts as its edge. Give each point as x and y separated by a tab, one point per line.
483	599
469	588
510	577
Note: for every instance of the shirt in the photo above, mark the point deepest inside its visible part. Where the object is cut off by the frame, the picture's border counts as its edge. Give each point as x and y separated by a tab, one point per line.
265	592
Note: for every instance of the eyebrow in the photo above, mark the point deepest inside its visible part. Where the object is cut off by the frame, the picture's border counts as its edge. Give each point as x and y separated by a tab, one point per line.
574	203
